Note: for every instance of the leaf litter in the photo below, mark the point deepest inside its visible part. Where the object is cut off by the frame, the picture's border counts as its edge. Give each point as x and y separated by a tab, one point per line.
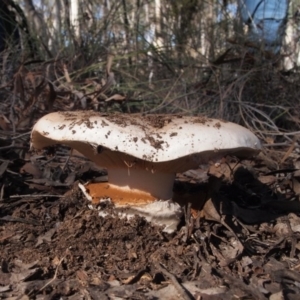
239	238
243	243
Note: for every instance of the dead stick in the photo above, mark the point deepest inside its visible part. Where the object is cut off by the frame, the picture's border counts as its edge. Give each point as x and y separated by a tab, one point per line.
34	196
49	282
33	292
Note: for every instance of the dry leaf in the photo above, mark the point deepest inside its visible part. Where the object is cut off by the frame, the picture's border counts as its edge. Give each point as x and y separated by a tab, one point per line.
4	122
110	81
110	59
268	179
19	87
128	280
39	187
110	76
116	97
210	211
222	170
82	275
32	170
296	186
170	292
56	261
281	229
47	237
294	222
3	167
199	174
277	296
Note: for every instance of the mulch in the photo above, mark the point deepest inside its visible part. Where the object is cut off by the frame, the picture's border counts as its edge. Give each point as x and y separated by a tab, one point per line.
238	239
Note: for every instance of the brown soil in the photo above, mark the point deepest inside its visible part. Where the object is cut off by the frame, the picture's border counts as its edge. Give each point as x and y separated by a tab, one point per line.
239	238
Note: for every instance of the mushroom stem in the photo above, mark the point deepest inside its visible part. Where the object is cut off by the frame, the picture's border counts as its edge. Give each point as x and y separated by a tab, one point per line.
157	184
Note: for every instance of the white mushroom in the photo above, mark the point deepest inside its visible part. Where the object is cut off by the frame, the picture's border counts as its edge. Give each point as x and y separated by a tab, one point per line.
142	153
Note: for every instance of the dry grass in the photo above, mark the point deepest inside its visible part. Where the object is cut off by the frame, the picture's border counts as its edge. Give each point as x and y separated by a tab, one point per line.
250	90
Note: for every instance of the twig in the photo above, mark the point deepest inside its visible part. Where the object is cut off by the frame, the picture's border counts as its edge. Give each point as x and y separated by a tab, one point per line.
20	135
288	152
34	196
2	192
20	220
189	224
55	274
164	101
49	282
12	146
285	134
180	289
278	145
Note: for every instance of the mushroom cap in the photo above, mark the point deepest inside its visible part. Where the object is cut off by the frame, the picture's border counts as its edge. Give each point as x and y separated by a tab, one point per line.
168	143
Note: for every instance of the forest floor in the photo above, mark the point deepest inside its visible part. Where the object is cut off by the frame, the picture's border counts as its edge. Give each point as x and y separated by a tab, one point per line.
242	241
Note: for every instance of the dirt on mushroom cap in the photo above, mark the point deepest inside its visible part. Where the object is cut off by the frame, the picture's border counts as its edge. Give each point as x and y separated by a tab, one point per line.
155	139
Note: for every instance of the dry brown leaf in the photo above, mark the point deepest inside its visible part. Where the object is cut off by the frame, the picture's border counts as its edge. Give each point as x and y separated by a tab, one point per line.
96	281
116	97
32	170
296	186
6	236
110	59
82	275
56	261
110	76
83	100
23	297
147	277
19	87
288	152
231	250
3	167
268	179
47	237
36	93
128	280
31	77
269	140
222	170
277	296
210	211
200	175
170	293
24	123
23	274
219	256
268	160
296	164
4	122
281	229
39	187
110	81
66	73
294	222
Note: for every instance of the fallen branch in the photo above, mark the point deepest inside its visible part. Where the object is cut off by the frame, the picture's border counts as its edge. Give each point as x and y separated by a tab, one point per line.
34	196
